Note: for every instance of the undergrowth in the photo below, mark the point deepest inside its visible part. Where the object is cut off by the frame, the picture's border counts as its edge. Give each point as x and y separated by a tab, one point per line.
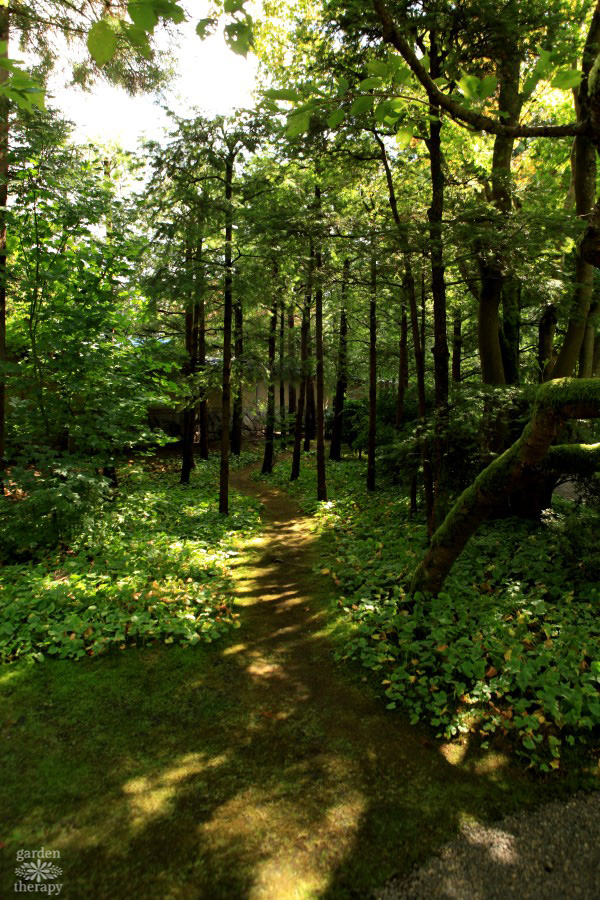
152	566
510	649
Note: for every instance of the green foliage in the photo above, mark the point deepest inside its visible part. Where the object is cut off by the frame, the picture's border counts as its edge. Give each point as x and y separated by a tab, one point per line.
510	649
150	567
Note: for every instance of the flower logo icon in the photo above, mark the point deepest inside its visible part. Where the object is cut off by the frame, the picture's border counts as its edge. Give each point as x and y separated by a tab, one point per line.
38	871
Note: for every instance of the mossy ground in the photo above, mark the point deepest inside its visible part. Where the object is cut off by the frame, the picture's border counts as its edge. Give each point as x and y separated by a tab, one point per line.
257	767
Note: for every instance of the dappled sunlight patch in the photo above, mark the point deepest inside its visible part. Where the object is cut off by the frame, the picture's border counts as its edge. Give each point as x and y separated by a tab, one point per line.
454	753
499	844
150	796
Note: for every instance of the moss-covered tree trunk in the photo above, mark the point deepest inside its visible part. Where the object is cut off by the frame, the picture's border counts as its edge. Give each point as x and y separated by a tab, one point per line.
516	469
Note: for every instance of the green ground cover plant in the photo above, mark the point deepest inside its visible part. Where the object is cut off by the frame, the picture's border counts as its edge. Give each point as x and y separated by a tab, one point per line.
150	566
509	649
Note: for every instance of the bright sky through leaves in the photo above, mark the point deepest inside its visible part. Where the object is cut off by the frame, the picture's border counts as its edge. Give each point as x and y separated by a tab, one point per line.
209	77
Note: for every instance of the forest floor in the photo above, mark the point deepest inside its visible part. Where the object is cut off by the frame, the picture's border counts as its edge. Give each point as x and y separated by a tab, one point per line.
256	767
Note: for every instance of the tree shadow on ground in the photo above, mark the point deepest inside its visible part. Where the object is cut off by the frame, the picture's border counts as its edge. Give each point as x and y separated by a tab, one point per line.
254	769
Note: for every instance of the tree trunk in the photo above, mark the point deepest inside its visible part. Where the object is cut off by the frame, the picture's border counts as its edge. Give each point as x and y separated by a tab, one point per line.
511	330
291	366
238	399
203	406
596	362
267	466
371	445
546	329
227	317
402	367
335	448
320	408
282	411
409	286
586	354
4	135
456	345
303	364
192	323
518	467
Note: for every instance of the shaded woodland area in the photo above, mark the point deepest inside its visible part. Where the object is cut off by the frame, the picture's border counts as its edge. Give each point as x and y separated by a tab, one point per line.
374	295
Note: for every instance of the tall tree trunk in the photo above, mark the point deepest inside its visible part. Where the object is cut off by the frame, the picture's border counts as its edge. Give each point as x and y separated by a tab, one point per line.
227	317
303	364
402	367
203	405
511	330
238	398
409	286
441	353
596	362
192	324
309	401
371	444
546	330
4	135
335	448
456	345
583	161
291	366
282	411
320	408
586	354
267	466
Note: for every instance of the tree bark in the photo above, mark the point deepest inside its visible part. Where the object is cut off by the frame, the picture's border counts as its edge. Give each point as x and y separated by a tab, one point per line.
320	399
456	345
515	469
303	364
291	366
372	438
546	330
282	410
238	398
227	321
267	466
402	367
335	448
203	405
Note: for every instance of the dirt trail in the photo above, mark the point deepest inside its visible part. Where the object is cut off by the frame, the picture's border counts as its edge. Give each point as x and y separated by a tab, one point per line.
353	793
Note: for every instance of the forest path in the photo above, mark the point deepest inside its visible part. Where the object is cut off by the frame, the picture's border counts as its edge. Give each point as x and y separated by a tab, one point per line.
345	794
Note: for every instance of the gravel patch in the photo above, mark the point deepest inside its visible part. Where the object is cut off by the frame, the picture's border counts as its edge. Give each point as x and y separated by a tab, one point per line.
549	854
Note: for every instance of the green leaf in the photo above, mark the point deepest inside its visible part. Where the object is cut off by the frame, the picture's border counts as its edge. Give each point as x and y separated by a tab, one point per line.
378	67
298	124
372	82
282	94
238	36
143	15
101	42
205	27
336	118
233	6
361	105
343	84
565	79
488	86
404	136
469	85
